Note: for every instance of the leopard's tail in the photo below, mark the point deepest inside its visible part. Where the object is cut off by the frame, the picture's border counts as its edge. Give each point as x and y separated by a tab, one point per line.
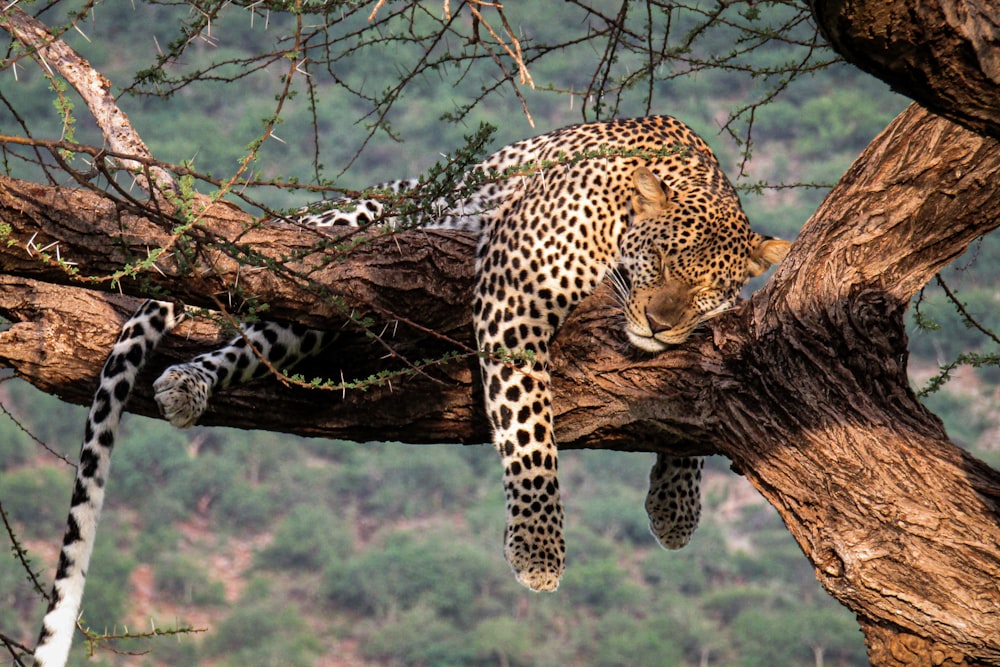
136	344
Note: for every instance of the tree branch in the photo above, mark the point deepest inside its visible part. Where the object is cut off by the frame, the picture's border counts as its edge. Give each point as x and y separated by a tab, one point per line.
944	54
53	54
901	525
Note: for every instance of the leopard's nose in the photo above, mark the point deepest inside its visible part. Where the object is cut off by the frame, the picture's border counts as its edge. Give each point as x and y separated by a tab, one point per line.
665	312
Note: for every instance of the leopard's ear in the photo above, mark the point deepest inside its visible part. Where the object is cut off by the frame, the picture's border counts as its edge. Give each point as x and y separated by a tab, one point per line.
650	195
766	251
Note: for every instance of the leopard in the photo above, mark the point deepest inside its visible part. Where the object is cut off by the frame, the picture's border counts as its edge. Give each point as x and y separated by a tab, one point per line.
139	337
642	203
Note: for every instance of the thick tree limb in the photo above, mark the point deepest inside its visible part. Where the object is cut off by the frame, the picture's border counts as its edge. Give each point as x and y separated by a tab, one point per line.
944	54
901	525
804	387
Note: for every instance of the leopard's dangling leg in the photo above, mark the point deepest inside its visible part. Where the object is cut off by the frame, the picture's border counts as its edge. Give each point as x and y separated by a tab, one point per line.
674	499
520	410
183	390
513	341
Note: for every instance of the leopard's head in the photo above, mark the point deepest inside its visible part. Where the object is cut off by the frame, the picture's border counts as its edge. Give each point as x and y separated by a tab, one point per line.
686	255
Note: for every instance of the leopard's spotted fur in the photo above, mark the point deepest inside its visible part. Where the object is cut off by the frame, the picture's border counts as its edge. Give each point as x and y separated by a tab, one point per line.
555	214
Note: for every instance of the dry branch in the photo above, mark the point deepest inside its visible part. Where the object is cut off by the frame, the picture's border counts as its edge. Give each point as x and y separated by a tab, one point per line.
56	57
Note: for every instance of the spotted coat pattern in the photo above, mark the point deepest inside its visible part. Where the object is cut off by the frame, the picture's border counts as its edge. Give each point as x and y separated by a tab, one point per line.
138	339
642	201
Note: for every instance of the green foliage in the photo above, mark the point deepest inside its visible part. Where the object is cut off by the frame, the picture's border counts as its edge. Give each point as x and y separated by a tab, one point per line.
306	539
618	516
18	596
205	481
16	446
419	637
599	583
181	579
965	416
64	107
148	458
830	628
759	647
615	487
180	650
695	569
107	583
406	483
727	603
244	508
625	640
157	537
955	328
258	634
407	570
30	408
37	499
504	640
805	634
941	331
166	509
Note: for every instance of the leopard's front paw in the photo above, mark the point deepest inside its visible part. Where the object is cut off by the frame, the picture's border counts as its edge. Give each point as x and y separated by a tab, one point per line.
182	393
537	564
533	540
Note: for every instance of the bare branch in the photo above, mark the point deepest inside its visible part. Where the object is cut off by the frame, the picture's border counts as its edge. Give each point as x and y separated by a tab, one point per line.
53	53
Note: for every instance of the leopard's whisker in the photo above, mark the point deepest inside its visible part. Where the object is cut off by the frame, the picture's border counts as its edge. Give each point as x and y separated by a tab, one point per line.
620	285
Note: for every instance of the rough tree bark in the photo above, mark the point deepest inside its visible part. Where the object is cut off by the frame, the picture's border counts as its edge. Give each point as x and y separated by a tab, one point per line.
804	387
944	54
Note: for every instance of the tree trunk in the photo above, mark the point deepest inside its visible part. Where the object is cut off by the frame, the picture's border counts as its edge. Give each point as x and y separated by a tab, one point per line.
946	55
943	53
803	387
901	525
